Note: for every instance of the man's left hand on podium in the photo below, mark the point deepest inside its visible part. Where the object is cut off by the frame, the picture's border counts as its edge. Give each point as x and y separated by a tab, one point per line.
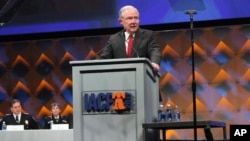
155	66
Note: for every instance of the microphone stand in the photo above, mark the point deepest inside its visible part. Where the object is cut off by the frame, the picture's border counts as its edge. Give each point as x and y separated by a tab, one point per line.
191	14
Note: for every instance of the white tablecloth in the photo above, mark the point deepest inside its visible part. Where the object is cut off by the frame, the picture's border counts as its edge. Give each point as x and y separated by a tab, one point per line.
37	135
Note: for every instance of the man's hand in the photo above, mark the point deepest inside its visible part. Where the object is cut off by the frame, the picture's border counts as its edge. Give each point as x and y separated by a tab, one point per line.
155	66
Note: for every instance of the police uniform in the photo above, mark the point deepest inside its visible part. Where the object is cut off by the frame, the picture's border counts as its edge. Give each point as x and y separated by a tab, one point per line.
25	119
1	123
61	120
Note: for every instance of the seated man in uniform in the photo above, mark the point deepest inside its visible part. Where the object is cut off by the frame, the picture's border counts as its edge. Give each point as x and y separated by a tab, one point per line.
56	117
19	118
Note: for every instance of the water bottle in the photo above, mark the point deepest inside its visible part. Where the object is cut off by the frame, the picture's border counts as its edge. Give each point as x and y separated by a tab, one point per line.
161	114
168	115
4	126
176	115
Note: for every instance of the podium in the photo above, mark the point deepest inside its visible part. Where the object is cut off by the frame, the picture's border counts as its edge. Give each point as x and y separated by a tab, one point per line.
112	98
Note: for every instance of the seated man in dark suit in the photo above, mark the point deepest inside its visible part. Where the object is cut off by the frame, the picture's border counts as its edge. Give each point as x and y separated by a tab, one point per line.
56	117
19	118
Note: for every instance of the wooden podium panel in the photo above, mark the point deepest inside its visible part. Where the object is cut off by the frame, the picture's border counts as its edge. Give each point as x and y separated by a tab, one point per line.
112	98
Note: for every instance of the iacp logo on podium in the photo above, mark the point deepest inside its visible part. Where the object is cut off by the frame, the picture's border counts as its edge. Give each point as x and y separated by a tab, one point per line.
99	102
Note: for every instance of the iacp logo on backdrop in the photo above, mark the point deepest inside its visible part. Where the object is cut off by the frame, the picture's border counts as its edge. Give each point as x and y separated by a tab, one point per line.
108	102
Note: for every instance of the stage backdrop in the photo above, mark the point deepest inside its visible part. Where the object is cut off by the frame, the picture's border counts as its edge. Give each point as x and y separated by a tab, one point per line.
36	16
38	73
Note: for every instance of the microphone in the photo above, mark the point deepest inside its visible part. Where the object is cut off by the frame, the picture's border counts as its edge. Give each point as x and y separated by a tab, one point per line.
107	45
99	51
110	42
137	54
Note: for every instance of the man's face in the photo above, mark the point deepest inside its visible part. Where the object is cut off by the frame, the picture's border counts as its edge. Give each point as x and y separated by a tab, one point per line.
130	20
55	110
16	108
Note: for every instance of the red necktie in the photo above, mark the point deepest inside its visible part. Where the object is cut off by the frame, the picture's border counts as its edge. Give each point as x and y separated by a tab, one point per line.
130	45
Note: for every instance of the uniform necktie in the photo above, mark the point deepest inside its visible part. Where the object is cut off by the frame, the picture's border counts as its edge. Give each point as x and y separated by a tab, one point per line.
17	119
57	119
130	45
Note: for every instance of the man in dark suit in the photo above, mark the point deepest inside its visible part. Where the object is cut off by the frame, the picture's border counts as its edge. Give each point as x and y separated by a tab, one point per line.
56	117
144	41
19	118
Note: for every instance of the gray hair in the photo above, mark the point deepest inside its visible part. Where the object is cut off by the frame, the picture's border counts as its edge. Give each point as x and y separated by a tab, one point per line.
124	8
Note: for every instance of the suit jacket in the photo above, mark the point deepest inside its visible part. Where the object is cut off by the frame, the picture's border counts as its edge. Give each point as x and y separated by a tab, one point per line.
145	45
25	118
61	120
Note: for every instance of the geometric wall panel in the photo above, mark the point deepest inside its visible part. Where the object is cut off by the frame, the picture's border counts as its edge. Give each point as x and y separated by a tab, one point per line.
38	73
